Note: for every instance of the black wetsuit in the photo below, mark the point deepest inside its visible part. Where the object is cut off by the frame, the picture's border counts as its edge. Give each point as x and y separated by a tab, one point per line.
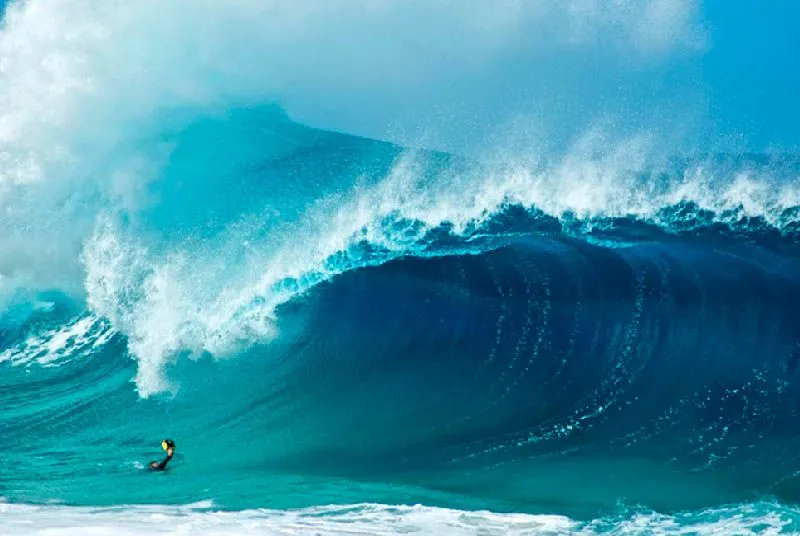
161	466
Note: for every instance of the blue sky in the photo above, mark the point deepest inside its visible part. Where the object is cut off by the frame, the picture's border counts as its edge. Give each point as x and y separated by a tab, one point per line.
752	70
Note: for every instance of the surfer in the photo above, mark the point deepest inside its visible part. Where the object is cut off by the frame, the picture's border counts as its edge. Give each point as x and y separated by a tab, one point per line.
169	446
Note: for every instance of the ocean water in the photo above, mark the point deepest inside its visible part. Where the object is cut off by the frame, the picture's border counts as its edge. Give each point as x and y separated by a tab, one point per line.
349	336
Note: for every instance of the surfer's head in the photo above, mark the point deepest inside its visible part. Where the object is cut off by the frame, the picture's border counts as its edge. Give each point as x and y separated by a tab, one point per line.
169	446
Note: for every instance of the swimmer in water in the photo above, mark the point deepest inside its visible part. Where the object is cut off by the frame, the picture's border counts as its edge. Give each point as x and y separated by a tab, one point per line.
169	446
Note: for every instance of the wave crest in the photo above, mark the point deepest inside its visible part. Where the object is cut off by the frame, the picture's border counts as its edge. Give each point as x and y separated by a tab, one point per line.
217	293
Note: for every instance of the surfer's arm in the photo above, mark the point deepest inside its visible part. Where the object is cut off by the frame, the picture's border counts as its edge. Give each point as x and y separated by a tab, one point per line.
160	466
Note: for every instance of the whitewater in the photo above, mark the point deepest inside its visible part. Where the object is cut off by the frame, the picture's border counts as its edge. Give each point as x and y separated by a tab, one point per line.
347	335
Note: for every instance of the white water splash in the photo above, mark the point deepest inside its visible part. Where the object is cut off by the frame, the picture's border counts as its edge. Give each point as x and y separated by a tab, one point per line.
375	520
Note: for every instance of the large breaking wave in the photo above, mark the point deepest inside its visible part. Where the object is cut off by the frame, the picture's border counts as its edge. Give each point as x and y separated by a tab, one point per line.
414	317
320	318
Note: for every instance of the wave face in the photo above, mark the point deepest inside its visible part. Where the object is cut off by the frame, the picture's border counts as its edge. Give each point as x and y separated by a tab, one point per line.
599	341
353	321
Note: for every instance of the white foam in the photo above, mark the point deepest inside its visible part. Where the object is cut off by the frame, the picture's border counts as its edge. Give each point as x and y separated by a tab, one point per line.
60	345
350	520
373	519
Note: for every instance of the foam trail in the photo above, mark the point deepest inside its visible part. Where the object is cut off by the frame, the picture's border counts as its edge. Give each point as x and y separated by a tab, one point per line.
354	519
375	519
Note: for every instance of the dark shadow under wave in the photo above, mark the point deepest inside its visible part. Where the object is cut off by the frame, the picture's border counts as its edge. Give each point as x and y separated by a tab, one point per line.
662	361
